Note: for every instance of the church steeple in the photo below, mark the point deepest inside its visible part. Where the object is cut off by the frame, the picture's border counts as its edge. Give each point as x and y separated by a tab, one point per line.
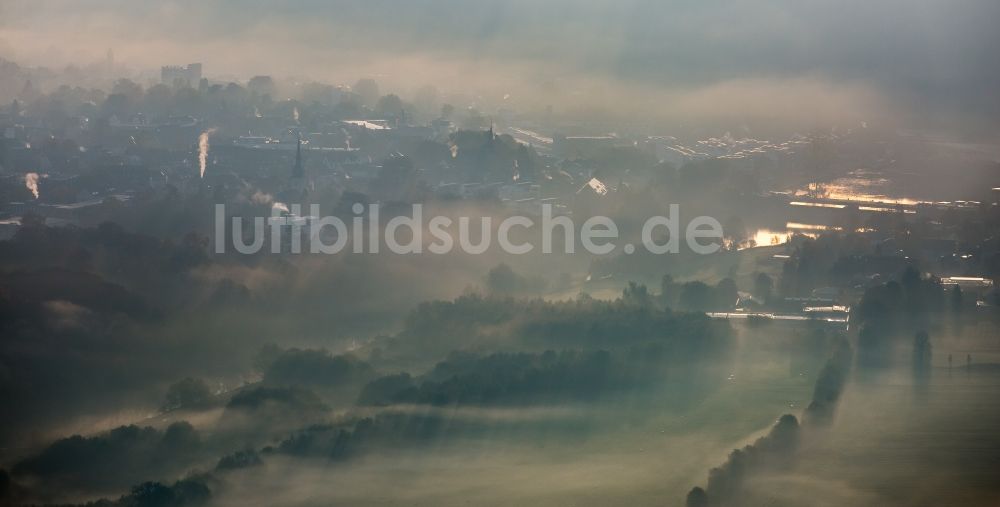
298	171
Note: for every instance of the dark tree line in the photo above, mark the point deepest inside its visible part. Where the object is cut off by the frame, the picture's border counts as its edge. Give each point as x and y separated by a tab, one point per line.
501	378
776	450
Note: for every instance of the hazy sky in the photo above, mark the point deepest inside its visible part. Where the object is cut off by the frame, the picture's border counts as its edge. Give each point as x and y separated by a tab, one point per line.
851	58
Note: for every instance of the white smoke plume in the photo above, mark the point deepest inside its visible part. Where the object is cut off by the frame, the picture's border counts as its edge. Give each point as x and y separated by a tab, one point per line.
31	181
347	138
203	150
295	114
259	197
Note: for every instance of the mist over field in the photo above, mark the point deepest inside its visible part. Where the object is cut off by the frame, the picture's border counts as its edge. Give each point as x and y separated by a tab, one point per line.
451	253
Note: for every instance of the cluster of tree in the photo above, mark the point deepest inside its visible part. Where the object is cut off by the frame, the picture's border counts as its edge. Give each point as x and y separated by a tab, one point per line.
503	280
261	402
130	454
922	354
5	487
114	313
384	431
314	367
475	321
698	296
258	413
117	459
776	450
903	304
848	258
191	492
141	263
819	262
911	304
259	95
395	430
97	301
240	459
830	384
501	378
183	493
314	441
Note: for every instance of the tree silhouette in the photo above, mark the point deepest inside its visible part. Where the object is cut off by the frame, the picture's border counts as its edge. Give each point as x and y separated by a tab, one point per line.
696	498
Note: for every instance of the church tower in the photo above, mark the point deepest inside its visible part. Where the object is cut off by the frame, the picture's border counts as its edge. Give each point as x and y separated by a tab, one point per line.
298	184
298	172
